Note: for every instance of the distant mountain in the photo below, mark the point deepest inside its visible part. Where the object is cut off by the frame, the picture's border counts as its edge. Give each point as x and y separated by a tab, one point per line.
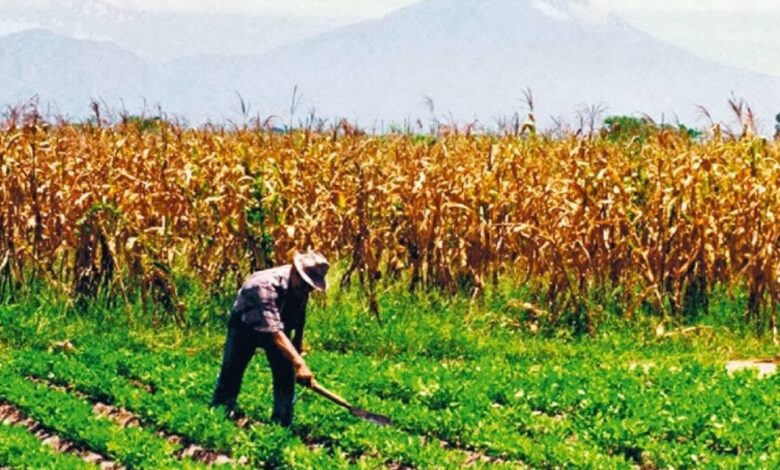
67	72
162	35
473	58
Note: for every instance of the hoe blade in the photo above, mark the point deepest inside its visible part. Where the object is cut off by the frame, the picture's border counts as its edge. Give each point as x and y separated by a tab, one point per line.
371	417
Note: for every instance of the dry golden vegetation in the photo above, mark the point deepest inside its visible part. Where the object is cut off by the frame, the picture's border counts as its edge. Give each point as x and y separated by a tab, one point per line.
658	221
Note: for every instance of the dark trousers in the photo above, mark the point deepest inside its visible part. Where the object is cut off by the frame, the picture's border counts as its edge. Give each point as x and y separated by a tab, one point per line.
240	346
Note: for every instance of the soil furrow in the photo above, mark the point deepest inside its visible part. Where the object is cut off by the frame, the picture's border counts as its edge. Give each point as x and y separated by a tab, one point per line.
474	456
9	414
126	418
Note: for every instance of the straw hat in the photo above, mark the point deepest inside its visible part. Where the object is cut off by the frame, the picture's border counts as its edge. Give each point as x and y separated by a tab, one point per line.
312	267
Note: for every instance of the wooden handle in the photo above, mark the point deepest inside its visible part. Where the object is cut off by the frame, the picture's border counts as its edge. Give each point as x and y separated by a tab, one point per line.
330	395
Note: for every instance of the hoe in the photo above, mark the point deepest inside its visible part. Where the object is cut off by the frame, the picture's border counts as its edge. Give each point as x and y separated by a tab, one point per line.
362	414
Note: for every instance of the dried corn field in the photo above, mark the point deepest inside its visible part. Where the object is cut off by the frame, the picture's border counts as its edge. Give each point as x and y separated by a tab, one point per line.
118	210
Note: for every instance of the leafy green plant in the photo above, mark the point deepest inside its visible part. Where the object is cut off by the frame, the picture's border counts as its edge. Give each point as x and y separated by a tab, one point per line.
20	449
74	419
623	398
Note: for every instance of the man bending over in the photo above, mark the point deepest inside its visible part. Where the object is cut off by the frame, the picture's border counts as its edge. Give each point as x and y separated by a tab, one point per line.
270	313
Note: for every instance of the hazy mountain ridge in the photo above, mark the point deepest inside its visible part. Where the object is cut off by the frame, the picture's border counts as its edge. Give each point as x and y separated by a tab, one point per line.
67	72
473	58
499	48
163	35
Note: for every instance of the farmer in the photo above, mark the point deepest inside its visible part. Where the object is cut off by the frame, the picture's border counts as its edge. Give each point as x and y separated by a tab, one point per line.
269	307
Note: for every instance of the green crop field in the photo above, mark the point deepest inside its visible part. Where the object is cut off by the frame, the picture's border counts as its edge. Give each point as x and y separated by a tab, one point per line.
464	383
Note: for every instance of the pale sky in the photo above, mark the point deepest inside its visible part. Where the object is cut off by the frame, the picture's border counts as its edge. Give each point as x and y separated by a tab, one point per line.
356	9
741	33
361	8
351	9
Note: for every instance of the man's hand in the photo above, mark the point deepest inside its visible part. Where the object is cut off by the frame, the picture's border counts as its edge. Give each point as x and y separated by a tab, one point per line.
303	375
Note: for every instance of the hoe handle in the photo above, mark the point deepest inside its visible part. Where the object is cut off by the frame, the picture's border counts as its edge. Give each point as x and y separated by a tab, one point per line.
330	395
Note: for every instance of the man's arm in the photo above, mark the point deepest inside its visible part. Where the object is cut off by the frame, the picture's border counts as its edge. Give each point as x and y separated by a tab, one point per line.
302	372
297	339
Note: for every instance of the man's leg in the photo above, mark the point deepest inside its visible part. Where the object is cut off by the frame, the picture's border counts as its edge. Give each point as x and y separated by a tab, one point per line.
284	385
239	348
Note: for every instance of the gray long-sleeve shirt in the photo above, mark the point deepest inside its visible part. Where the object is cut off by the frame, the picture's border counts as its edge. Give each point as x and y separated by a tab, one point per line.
266	303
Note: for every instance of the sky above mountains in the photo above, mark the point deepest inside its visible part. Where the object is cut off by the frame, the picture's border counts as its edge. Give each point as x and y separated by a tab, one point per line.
736	33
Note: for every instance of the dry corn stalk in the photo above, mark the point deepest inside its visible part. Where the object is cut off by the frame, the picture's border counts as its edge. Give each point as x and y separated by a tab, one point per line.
659	223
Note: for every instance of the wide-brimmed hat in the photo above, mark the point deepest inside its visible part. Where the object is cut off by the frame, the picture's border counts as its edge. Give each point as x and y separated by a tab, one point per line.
312	267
